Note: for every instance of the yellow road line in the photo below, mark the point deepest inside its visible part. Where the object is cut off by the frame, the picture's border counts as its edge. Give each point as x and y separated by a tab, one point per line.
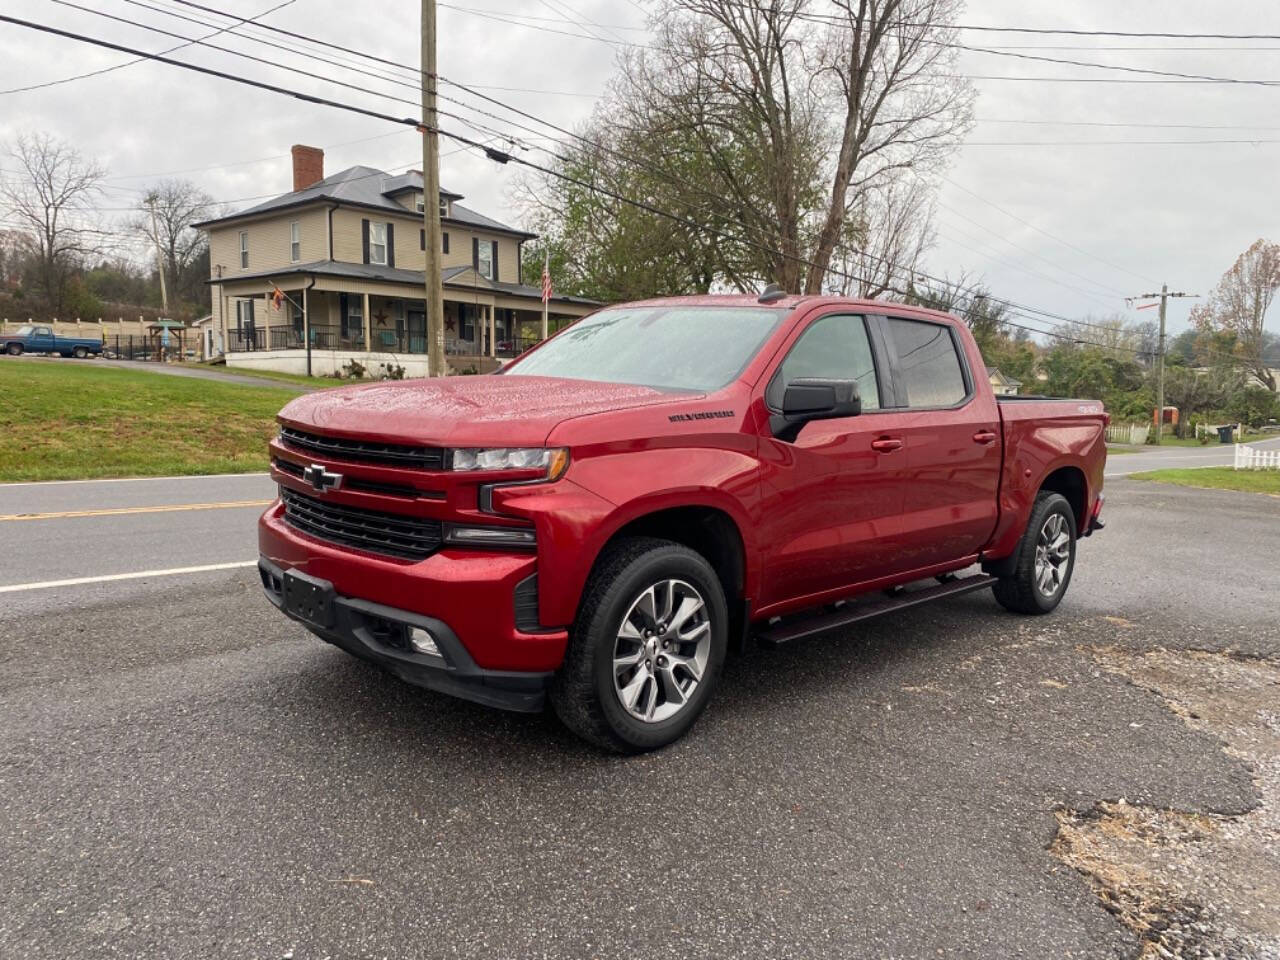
122	511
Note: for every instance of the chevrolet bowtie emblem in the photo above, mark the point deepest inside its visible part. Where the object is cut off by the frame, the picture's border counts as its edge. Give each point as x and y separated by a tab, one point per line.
321	479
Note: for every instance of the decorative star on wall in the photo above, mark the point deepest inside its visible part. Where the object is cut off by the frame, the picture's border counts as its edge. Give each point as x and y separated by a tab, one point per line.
448	323
381	318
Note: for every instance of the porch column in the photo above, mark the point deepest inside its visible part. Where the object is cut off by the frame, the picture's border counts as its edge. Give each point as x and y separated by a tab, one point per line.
368	339
493	333
306	328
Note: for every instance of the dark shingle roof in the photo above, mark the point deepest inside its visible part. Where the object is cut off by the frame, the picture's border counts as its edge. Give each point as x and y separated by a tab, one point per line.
372	188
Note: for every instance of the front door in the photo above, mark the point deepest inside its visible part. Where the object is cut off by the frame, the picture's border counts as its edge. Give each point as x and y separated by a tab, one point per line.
417	320
951	433
832	499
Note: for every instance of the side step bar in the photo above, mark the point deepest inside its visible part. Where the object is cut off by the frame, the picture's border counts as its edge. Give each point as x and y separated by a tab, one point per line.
794	628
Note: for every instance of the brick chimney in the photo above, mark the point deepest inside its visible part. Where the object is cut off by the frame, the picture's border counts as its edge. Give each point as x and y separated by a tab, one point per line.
308	166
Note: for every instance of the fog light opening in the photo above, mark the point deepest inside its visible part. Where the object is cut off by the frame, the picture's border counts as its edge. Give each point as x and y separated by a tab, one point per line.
423	642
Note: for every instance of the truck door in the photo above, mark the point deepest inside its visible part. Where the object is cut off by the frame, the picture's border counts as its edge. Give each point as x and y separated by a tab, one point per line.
951	433
832	499
42	340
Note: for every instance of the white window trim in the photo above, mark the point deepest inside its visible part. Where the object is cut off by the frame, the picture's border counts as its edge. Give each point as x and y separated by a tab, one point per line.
244	249
295	241
485	256
419	203
374	243
444	206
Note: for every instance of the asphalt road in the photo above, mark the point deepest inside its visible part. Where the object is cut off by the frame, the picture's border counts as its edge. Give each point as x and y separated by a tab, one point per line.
1213	455
184	774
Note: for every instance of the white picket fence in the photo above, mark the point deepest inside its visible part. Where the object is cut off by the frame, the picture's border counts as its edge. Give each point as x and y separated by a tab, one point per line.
1250	458
1134	433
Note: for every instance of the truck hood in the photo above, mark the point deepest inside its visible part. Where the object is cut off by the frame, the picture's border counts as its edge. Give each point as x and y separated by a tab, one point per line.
464	411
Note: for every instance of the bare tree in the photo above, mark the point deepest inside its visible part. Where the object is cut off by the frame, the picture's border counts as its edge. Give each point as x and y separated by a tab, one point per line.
1239	304
788	127
165	216
901	110
886	238
50	197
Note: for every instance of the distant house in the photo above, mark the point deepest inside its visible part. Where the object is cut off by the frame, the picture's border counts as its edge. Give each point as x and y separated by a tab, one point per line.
347	253
1001	385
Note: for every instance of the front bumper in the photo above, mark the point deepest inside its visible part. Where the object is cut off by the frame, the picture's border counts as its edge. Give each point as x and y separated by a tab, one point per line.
379	633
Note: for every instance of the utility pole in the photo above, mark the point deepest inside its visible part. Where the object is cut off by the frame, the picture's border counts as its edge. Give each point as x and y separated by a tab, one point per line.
434	300
155	237
1164	296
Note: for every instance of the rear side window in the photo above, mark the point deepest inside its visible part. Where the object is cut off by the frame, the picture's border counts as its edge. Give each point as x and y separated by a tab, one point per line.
928	363
832	348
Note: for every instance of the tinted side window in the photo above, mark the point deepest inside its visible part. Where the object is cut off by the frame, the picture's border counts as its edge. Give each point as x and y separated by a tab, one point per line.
832	348
928	363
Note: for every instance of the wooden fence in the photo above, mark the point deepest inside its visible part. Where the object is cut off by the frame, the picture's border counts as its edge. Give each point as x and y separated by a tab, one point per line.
1251	458
1134	433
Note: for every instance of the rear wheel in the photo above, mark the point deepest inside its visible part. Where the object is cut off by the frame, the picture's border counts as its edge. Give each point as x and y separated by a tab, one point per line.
14	349
647	647
1044	560
80	353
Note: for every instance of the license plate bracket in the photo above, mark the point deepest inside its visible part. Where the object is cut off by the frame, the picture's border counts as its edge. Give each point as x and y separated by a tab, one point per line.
310	599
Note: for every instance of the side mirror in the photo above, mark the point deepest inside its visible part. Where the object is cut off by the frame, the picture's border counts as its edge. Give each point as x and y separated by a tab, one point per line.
808	399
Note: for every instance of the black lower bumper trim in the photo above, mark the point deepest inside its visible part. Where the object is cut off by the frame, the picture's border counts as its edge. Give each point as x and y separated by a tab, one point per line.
378	633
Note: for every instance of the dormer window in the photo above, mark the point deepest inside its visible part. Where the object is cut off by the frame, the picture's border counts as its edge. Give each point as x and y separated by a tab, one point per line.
419	203
444	207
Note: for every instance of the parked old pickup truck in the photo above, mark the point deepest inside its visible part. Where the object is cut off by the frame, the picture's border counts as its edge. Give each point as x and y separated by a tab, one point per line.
598	524
34	338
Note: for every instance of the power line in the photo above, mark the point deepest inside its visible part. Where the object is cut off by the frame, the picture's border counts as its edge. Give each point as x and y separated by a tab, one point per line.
129	63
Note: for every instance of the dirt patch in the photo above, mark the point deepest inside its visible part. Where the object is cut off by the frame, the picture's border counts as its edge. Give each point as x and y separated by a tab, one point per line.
1189	884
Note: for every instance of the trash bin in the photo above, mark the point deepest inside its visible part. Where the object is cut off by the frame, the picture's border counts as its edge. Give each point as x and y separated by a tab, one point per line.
1224	433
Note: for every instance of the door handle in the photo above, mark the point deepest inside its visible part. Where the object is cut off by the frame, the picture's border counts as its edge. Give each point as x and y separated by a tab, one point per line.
985	436
886	444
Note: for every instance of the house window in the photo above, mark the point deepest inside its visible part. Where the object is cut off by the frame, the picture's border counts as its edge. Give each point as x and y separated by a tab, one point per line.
295	317
353	319
244	249
378	243
468	326
295	241
422	239
444	237
444	207
419	203
484	260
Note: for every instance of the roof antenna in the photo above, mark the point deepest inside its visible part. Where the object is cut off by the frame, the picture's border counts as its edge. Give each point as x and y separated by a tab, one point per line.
771	293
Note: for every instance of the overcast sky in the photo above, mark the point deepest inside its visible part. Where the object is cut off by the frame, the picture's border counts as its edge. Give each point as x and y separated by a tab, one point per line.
1102	219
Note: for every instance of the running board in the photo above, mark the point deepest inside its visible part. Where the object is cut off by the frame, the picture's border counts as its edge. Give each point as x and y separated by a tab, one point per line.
852	612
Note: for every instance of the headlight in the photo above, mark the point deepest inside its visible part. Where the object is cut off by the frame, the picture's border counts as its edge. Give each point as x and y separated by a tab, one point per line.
554	460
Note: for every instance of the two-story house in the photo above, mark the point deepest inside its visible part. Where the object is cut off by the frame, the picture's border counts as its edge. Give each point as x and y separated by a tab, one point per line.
347	253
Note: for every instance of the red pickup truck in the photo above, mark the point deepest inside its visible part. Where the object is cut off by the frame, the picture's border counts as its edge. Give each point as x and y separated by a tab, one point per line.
601	521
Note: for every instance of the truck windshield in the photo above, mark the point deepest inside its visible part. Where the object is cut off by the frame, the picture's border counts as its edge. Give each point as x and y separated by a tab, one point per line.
696	348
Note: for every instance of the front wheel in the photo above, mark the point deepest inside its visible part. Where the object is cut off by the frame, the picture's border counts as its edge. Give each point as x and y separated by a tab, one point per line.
1044	560
646	649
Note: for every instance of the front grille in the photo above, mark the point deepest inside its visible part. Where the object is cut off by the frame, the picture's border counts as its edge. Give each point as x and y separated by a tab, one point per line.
365	486
365	451
412	538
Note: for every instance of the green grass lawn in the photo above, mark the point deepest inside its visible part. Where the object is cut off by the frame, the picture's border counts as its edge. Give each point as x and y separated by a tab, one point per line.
222	368
1219	478
65	421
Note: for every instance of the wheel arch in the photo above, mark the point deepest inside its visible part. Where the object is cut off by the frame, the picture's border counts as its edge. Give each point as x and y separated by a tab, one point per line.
1071	483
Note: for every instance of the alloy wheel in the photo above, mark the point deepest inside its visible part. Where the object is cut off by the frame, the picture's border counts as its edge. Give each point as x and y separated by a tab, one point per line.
661	650
1053	555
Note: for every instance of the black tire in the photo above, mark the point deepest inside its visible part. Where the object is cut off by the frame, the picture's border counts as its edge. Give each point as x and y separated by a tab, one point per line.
79	353
1020	591
14	349
583	691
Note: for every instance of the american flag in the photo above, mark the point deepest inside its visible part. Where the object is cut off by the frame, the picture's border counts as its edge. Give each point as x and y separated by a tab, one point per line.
546	277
